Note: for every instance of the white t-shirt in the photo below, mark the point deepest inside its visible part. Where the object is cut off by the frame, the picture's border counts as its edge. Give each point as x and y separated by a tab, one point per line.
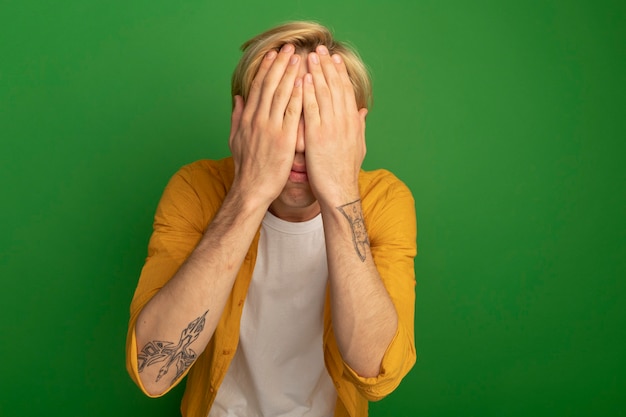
278	369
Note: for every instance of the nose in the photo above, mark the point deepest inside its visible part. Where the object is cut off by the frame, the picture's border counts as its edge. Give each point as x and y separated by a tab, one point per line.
300	138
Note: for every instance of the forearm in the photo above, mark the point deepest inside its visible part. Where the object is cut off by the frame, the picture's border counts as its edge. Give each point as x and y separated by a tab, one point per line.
364	317
262	141
186	311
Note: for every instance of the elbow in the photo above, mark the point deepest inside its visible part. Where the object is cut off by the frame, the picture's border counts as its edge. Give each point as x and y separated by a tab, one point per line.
146	380
151	387
154	392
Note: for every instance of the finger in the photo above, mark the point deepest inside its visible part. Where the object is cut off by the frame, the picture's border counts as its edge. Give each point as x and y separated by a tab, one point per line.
310	107
235	118
322	91
363	115
348	87
284	90
254	93
294	110
272	79
333	80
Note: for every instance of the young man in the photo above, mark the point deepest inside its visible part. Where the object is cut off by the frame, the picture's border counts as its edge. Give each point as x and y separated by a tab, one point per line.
281	278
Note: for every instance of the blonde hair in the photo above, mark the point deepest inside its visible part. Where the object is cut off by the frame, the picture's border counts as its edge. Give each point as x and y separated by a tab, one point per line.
305	36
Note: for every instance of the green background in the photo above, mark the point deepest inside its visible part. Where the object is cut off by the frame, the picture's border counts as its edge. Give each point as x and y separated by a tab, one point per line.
506	119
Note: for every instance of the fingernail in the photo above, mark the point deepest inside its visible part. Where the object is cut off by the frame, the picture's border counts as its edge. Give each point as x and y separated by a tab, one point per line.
314	58
298	82
287	47
308	78
271	54
294	59
337	59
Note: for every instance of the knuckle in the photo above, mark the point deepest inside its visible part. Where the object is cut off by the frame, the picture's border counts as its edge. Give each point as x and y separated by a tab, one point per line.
293	111
323	93
281	92
311	106
268	81
246	118
256	84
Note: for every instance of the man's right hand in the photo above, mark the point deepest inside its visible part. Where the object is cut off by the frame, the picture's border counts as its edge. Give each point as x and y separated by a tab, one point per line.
264	128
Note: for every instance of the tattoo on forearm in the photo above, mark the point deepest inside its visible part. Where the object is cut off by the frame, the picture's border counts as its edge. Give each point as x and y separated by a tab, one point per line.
352	211
180	354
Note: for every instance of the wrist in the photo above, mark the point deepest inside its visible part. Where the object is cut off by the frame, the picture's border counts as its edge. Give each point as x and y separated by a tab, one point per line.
261	189
335	196
332	204
246	201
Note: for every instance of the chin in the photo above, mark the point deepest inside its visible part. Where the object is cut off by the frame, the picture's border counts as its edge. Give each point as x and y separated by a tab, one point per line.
295	204
299	201
297	195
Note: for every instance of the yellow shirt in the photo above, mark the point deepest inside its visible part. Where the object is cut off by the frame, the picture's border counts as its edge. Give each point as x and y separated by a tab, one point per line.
189	203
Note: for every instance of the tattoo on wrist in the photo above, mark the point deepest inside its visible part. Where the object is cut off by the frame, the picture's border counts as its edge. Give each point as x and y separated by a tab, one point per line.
180	354
352	211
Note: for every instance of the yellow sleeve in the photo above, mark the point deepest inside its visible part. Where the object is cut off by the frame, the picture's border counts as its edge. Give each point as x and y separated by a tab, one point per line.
179	223
392	228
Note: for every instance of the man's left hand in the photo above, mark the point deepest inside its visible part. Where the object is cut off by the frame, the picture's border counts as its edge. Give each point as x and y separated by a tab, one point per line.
334	130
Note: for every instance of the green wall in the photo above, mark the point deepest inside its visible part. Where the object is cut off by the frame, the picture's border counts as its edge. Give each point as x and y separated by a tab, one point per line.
506	119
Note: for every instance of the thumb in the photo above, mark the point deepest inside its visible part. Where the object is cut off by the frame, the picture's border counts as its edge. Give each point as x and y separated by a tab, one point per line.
363	115
235	118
